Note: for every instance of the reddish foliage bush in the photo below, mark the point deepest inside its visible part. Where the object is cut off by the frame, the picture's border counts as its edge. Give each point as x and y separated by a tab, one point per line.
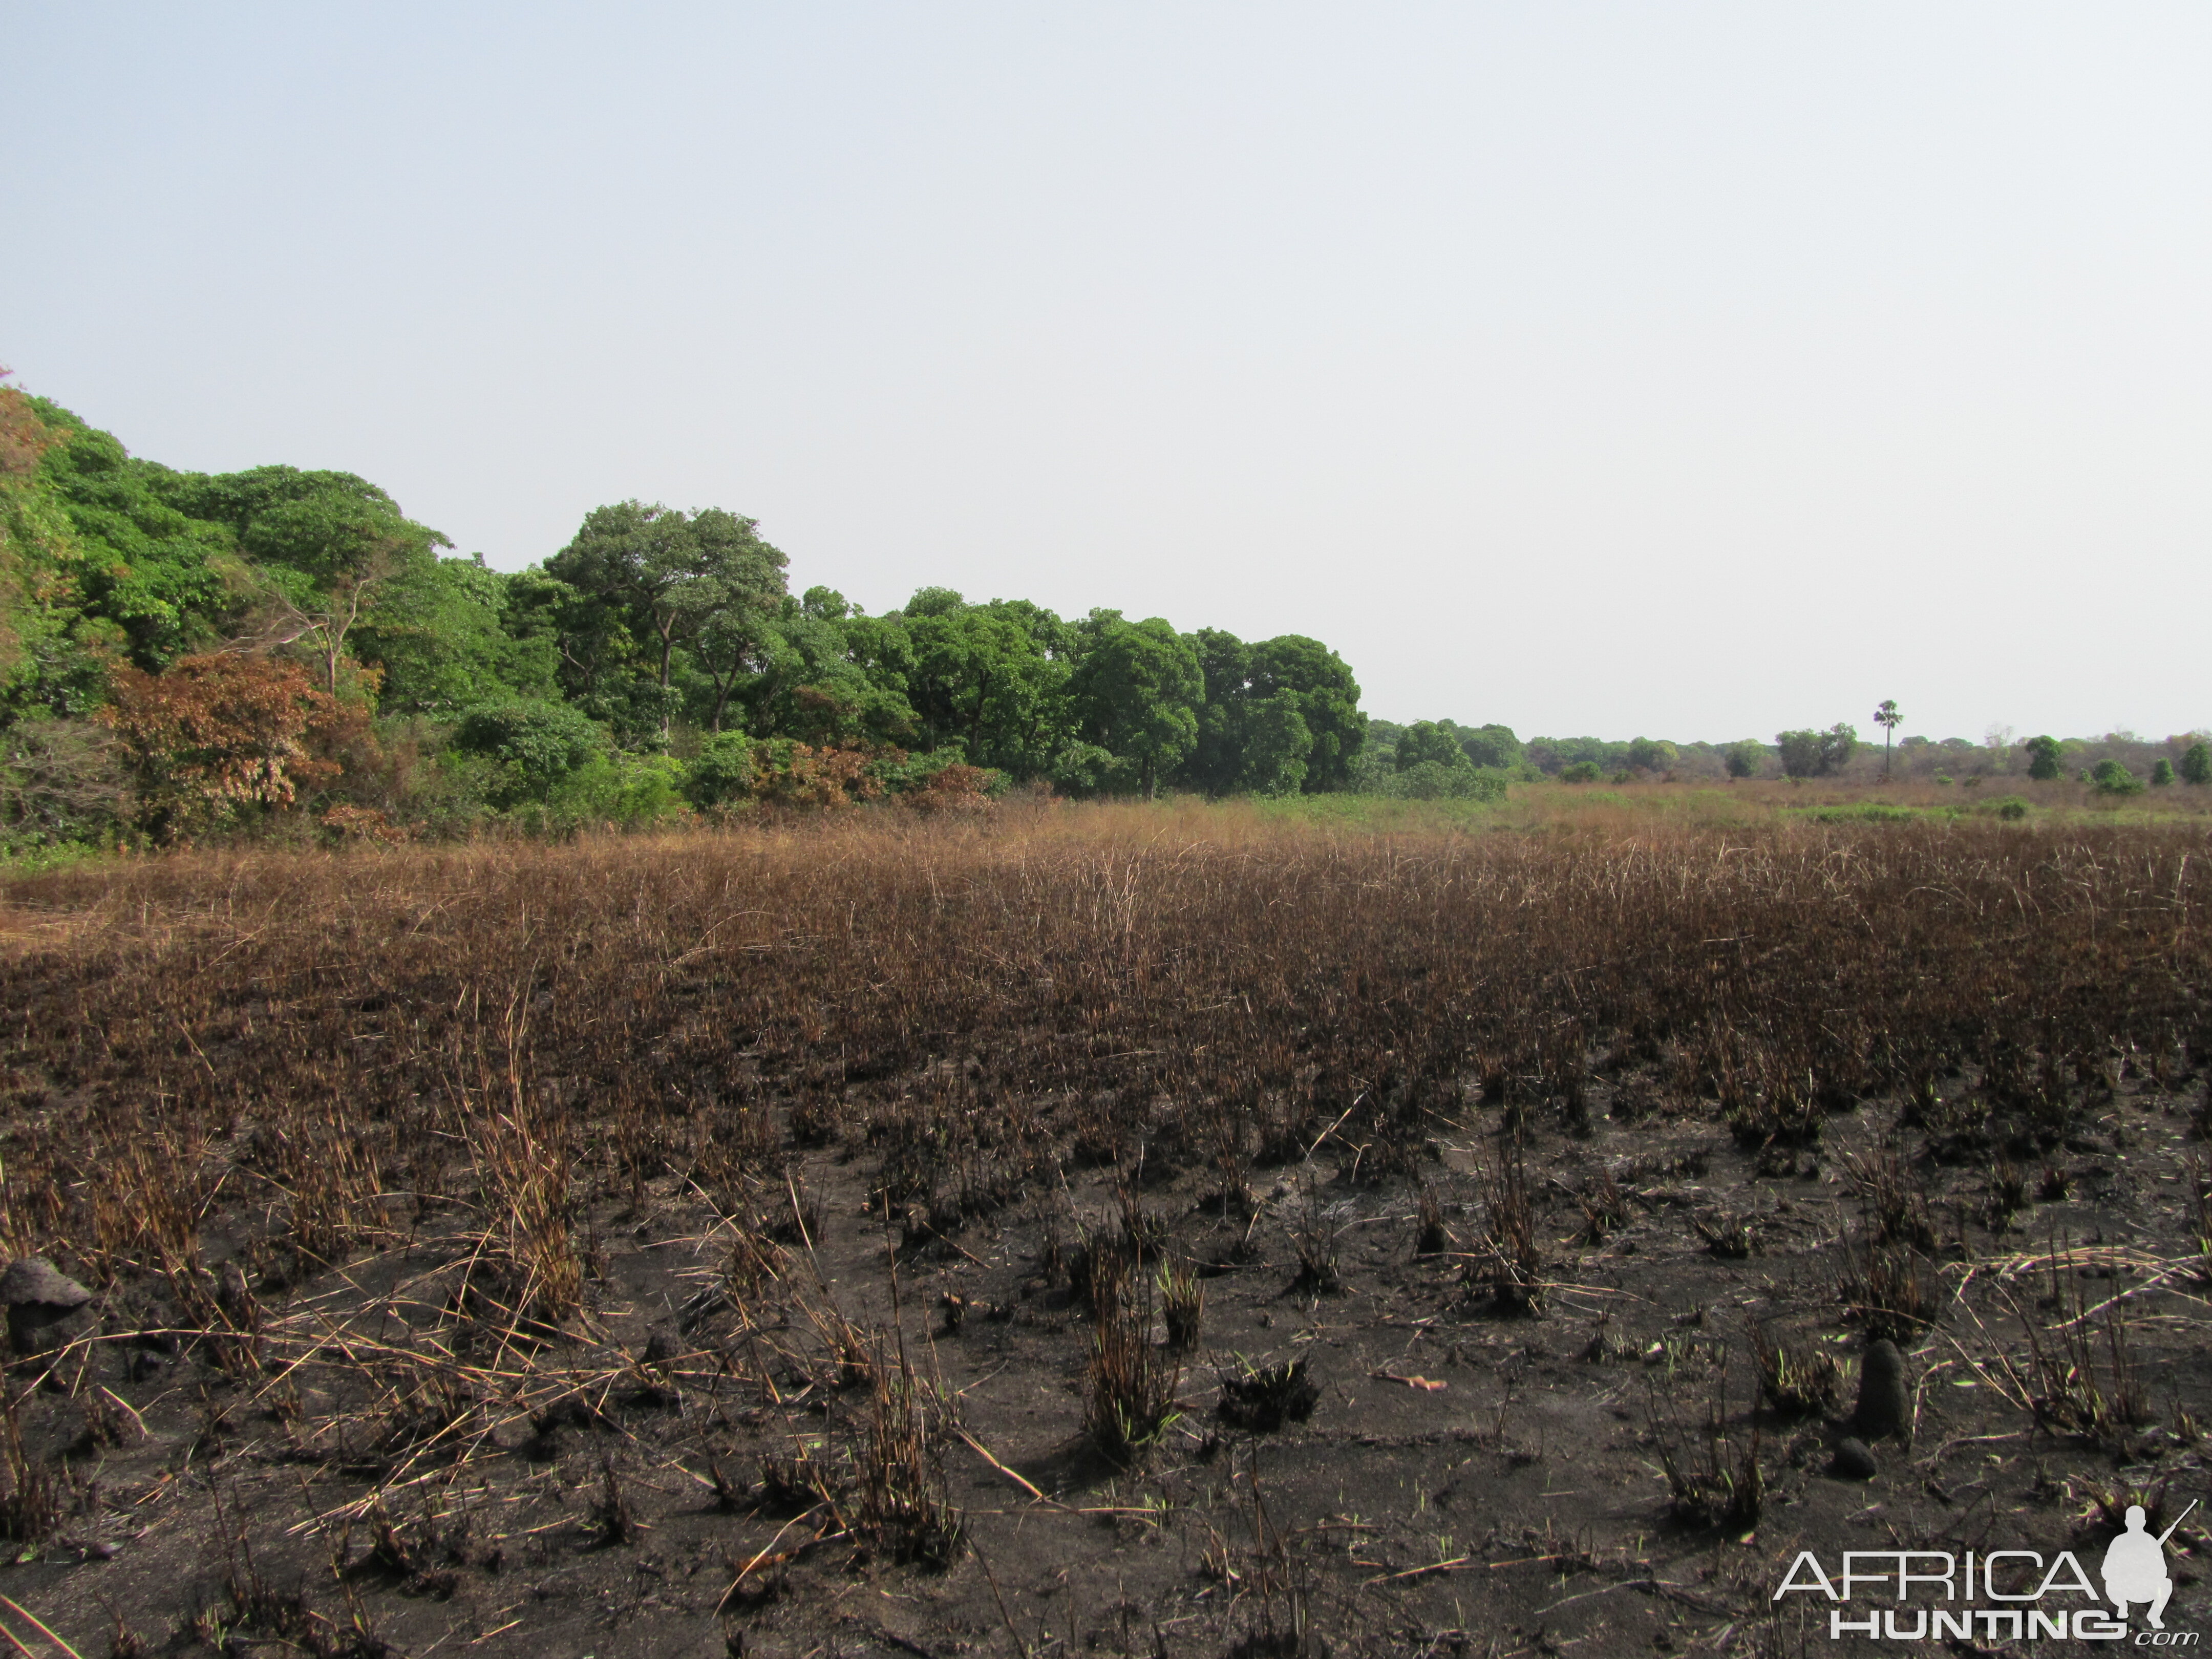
23	436
221	730
955	789
797	774
361	823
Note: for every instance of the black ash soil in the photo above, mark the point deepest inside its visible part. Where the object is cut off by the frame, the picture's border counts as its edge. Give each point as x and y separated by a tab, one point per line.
428	1316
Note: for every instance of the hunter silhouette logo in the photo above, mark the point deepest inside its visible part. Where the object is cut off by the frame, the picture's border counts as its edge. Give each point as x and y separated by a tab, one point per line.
2134	1567
2006	1595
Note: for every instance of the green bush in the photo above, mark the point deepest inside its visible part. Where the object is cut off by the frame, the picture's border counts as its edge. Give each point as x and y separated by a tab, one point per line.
1581	772
2196	764
631	790
2043	758
1864	811
2109	777
1443	780
722	772
538	745
2161	773
1746	759
2011	808
648	789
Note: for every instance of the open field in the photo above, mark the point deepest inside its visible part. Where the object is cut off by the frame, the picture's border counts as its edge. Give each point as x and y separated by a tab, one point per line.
1178	1231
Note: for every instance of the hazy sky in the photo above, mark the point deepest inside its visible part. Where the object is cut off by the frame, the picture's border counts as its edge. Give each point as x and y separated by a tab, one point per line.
1686	369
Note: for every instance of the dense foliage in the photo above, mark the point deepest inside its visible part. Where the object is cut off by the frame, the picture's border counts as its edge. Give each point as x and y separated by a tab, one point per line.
181	654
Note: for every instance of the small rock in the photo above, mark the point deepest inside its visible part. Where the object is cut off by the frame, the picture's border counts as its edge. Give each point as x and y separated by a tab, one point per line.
1885	1406
232	1293
45	1307
1854	1461
32	1280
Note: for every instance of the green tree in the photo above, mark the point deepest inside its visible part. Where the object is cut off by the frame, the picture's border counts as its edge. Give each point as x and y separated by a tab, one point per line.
131	558
1816	754
2043	757
672	574
1886	717
1136	689
1256	697
1278	745
1427	742
1650	755
987	677
320	549
2197	764
828	675
2161	772
1745	759
1325	698
2111	778
1217	762
439	632
1490	746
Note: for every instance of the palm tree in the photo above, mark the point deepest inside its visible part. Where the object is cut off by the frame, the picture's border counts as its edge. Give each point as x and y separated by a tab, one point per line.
1886	717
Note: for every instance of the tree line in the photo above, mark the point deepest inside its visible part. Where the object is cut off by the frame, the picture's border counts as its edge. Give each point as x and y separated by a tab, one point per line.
182	652
187	648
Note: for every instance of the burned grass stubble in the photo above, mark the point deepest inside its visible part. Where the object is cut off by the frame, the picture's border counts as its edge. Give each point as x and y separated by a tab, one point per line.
538	1193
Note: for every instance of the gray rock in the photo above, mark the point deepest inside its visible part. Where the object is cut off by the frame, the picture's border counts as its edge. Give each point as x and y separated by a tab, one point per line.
1854	1461
45	1307
1885	1406
33	1281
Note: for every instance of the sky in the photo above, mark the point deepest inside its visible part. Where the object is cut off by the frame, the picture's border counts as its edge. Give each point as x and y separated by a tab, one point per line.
1694	370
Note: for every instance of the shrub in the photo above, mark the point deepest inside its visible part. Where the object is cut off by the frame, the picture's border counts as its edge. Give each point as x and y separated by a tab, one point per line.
2043	758
648	788
539	743
2196	764
722	773
2109	777
958	788
1081	769
1746	759
2011	808
2161	773
60	781
1426	744
797	775
1441	781
1581	772
220	731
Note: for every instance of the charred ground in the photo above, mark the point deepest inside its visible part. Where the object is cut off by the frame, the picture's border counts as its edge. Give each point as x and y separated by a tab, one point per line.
1053	1232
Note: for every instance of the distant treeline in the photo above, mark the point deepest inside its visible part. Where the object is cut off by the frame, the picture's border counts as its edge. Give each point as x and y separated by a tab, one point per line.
1443	758
183	653
180	651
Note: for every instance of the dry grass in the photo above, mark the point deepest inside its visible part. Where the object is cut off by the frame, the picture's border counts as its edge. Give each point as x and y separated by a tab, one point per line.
344	1125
